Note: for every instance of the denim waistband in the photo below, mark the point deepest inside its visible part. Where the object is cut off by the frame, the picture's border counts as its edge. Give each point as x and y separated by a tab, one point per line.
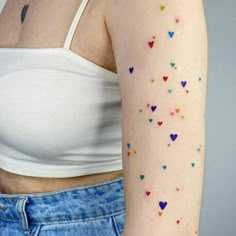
77	203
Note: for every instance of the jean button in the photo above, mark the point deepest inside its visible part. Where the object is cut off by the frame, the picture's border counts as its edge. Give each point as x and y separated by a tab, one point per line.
3	208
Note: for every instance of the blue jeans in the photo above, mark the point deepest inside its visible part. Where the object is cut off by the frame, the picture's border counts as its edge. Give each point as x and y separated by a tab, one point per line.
92	210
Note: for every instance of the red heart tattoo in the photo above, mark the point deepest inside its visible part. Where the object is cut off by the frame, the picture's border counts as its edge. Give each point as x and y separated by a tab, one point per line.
151	44
165	78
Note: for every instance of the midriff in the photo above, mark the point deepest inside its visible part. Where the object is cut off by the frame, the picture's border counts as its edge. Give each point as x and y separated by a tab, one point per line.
30	35
11	183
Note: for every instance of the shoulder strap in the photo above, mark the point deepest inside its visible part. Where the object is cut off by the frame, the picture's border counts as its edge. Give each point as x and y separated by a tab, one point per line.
2	5
74	24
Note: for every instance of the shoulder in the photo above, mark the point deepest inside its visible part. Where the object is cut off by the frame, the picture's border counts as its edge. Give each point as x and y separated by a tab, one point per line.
126	16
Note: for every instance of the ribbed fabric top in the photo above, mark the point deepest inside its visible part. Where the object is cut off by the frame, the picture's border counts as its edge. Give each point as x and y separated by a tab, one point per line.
60	114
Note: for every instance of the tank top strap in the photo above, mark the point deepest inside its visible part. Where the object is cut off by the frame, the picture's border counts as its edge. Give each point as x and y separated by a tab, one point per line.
74	24
2	5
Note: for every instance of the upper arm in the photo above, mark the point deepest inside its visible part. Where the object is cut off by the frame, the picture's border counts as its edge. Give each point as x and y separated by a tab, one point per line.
160	48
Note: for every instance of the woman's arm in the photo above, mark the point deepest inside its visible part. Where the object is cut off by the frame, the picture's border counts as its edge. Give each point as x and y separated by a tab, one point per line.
160	48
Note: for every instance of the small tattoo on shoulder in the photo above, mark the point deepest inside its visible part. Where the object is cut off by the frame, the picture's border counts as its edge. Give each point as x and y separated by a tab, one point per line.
23	12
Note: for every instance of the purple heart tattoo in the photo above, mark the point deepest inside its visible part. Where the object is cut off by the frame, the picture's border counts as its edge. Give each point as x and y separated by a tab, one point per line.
162	205
173	136
183	83
153	108
131	69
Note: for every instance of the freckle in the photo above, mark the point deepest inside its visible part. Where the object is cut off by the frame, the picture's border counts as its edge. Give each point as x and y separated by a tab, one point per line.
182	117
178	221
168	145
140	110
160	213
148	105
153	36
177	189
187	91
134	151
128	153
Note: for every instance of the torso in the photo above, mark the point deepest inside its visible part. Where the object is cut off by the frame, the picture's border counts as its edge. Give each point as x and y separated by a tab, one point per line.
46	25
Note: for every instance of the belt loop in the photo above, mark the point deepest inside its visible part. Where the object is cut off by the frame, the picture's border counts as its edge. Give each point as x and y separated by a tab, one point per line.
20	207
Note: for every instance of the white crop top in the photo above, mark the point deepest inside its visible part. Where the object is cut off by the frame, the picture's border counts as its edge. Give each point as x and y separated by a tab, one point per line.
60	114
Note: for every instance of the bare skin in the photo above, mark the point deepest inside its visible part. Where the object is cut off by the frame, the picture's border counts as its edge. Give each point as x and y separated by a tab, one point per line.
45	25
